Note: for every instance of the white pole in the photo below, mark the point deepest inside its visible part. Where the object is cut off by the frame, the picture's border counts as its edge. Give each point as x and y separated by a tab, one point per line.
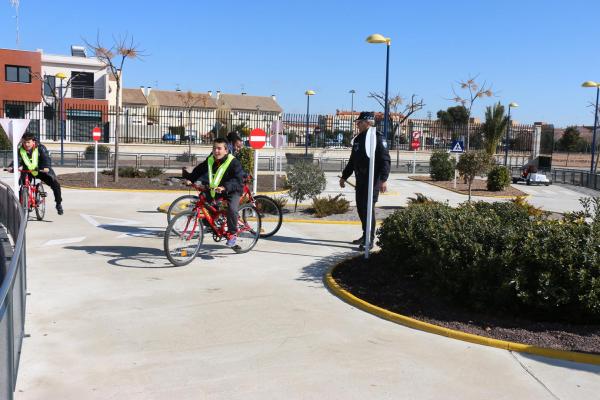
255	175
276	143
414	160
95	163
455	159
372	137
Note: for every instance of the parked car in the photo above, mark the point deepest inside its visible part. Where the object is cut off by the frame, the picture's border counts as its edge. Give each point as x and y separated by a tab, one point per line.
169	137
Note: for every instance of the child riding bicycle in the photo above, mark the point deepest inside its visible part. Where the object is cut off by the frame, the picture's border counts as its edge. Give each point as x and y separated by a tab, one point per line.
34	157
225	180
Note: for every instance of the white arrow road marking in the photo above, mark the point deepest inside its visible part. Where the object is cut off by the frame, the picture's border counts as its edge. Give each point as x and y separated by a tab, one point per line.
58	242
93	219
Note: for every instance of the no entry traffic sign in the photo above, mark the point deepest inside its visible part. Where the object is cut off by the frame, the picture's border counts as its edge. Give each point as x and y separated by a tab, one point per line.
96	132
415	142
258	138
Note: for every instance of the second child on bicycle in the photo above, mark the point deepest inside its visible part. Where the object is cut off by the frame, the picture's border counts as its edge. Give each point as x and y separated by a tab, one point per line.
225	180
34	157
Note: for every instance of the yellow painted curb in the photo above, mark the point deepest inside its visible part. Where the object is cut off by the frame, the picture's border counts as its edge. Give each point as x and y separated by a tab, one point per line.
525	195
454	334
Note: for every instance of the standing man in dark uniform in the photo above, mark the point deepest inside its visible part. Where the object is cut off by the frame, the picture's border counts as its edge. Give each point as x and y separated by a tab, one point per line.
359	165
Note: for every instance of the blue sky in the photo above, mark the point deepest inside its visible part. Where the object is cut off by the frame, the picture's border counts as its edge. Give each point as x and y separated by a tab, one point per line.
534	52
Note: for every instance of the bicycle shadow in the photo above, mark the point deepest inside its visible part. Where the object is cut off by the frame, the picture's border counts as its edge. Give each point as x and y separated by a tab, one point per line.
135	231
128	256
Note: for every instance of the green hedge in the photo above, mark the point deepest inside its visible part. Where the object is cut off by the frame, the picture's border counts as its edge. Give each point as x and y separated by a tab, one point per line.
442	166
495	256
498	178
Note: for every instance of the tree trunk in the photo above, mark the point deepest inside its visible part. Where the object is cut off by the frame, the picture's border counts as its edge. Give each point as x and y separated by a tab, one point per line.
470	183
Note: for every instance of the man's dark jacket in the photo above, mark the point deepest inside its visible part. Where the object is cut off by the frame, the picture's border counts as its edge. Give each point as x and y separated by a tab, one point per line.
359	162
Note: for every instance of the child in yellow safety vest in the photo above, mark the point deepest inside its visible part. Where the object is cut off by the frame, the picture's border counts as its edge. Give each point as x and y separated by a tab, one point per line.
34	157
225	179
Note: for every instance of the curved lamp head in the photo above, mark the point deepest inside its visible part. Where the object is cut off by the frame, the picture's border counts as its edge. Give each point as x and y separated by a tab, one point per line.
513	105
352	91
378	38
60	75
309	92
590	84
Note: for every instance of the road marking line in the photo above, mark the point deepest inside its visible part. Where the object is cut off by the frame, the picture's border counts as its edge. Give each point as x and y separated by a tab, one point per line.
92	219
58	242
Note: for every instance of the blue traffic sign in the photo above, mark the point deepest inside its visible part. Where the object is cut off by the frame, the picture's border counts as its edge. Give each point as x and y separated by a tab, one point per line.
457	146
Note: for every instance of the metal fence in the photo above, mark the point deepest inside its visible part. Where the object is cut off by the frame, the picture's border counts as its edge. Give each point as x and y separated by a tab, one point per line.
13	289
176	125
576	177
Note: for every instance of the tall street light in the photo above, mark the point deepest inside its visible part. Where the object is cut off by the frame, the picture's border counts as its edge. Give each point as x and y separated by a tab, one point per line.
352	91
597	86
308	93
62	77
511	105
377	38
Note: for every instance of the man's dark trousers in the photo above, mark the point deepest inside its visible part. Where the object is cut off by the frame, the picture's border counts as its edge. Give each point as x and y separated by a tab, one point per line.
362	197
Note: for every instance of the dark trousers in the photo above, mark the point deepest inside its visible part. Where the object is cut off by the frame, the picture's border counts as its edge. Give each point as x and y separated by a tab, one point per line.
232	212
51	180
362	197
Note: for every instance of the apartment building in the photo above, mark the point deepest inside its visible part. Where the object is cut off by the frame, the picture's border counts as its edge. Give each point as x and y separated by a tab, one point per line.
235	110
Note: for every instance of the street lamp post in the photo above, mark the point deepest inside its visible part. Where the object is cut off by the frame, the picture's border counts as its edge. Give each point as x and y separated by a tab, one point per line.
352	91
597	86
308	93
61	76
377	38
511	105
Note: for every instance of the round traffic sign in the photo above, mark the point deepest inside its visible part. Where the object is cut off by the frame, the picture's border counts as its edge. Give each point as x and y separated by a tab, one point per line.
277	141
416	135
258	138
96	132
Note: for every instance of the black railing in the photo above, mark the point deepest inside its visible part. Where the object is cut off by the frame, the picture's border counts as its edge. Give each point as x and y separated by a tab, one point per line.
13	289
171	125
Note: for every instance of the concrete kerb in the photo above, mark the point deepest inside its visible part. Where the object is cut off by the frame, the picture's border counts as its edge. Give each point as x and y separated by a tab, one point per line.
477	195
451	333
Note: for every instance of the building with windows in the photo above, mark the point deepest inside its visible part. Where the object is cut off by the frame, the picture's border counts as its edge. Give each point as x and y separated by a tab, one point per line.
237	110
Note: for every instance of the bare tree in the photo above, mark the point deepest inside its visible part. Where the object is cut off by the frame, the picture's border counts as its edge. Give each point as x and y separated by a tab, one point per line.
114	57
399	106
190	102
474	91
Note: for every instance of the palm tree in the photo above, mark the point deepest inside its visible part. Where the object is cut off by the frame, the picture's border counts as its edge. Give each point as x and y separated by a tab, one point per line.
494	127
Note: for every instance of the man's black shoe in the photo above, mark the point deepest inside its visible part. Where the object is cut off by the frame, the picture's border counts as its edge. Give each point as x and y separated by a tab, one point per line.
59	209
359	240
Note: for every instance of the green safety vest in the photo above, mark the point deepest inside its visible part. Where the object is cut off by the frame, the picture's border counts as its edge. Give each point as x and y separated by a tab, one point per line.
213	181
30	163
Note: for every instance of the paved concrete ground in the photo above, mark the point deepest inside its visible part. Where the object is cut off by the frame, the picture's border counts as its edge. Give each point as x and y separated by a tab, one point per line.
110	318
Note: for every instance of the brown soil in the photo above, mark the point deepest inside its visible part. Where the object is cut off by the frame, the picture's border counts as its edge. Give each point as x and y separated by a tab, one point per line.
162	182
367	280
478	188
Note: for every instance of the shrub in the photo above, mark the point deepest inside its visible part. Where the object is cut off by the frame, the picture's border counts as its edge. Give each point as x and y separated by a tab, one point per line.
281	201
4	142
471	164
103	151
498	178
246	157
496	256
442	166
420	199
330	205
186	157
533	211
153	172
304	180
125	172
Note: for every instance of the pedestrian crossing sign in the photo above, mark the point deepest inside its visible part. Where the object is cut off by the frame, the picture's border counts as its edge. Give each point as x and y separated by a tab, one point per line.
457	146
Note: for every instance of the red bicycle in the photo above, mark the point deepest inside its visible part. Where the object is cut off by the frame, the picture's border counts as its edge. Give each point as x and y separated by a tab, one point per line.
185	233
270	212
32	195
